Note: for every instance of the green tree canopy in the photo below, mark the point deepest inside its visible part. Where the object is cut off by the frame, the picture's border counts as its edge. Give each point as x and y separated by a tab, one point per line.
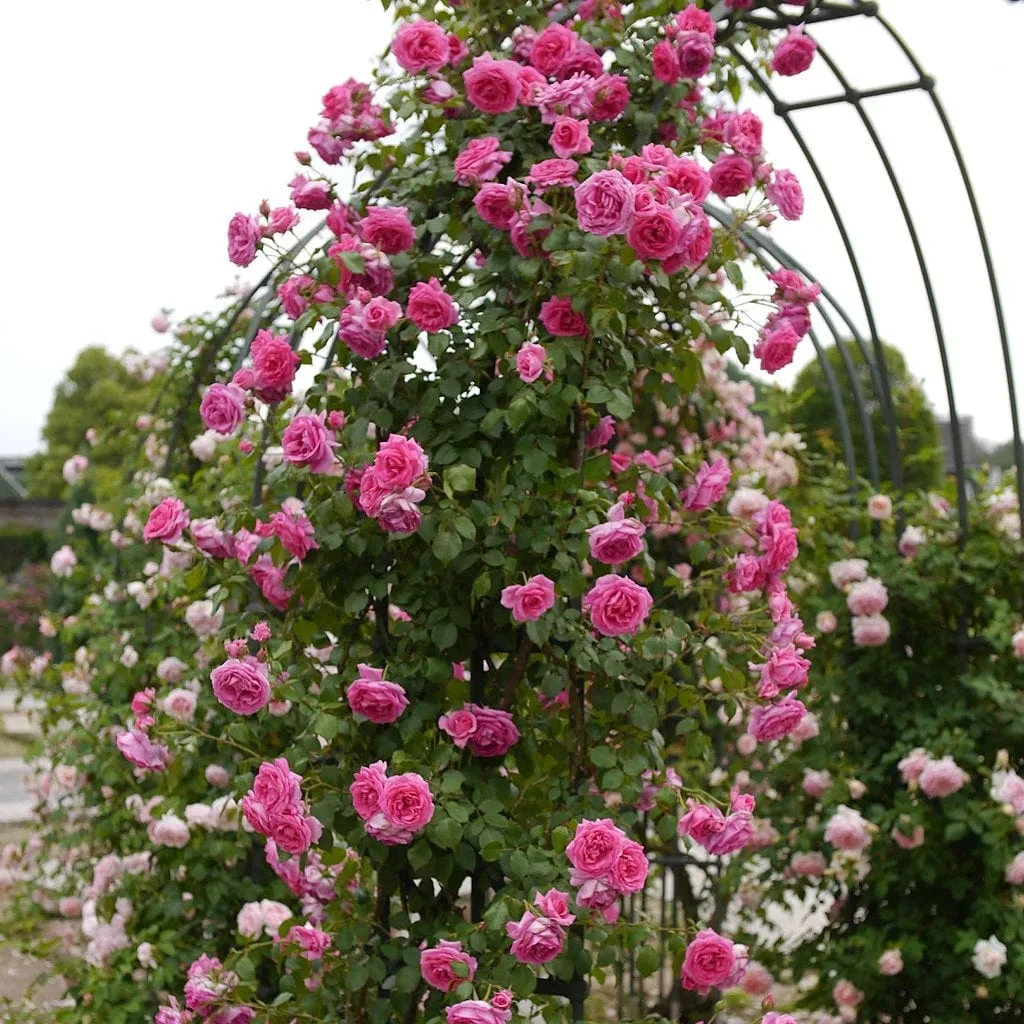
813	413
97	392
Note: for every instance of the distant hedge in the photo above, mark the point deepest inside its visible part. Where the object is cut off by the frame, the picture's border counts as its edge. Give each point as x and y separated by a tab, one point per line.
20	545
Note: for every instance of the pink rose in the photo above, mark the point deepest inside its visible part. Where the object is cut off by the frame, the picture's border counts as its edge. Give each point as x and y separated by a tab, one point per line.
773	721
223	408
628	872
617	606
363	325
569	137
293	832
421	46
595	848
785	668
911	842
656	232
436	965
708	487
911	766
406	801
610	97
942	778
400	462
710	961
400	513
180	704
388	228
273	366
554	904
686	175
430	307
890	963
731	175
495	733
552	48
871	630
826	622
696	52
498	203
367	788
530	361
605	203
744	132
459	725
476	1011
910	540
375	698
845	993
616	541
847	830
666	63
481	160
307	442
142	752
492	85
241	684
530	600
869	597
758	981
847	571
313	942
547	174
559	319
536	940
293	530
211	539
775	347
166	522
807	865
244	235
794	53
785	192
816	783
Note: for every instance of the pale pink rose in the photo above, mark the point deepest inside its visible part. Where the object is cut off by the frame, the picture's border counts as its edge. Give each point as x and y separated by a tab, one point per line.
825	622
856	788
794	54
869	597
816	783
1008	788
529	601
880	507
480	160
217	775
942	778
242	685
436	965
1014	873
530	361
911	766
274	915
847	571
908	842
710	961
375	698
871	630
74	469
1017	643
554	904
169	830
476	1011
250	920
307	442
910	541
166	522
845	993
223	408
63	562
890	963
492	85
807	865
180	704
617	606
605	203
170	670
209	538
536	940
847	830
595	847
757	981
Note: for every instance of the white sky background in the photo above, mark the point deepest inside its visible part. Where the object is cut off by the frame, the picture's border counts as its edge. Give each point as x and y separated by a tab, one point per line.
132	132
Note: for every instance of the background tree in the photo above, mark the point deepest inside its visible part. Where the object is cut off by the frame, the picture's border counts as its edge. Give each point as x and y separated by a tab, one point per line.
812	413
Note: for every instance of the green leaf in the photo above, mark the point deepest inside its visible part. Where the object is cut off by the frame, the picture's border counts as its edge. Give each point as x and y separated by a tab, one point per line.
648	961
446	546
459	478
419	854
353	262
444	635
602	757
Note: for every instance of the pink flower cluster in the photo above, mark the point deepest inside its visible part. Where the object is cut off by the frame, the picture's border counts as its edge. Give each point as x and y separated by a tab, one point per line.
718	833
688	48
865	598
937	777
476	1011
712	961
376	698
606	864
392	487
307	442
537	938
207	984
246	232
314	882
393	808
364	323
709	486
789	323
349	115
488	732
275	808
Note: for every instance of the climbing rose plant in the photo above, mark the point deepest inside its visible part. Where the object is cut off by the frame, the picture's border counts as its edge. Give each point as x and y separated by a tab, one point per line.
363	706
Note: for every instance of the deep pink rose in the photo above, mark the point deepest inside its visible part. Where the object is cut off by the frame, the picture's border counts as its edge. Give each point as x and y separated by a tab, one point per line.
570	136
430	307
492	85
421	46
595	848
166	522
142	752
530	361
535	940
292	831
794	53
744	133
530	600
666	63
628	872
244	234
605	203
313	942
773	721
696	52
616	541
388	228
731	175
223	408
406	801
241	685
274	791
270	579
708	487
375	698
784	669
617	606
559	318
495	733
656	232
702	823
310	195
785	192
498	203
273	366
367	787
610	98
436	965
476	1011
400	462
308	442
459	725
211	539
552	48
775	348
710	961
481	160
293	530
363	325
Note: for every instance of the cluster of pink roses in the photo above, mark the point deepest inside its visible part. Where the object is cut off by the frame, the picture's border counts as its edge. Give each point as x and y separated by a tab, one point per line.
208	983
606	864
937	777
789	322
477	1011
376	698
275	808
712	961
391	488
246	232
537	938
270	377
488	732
688	47
349	115
393	808
708	487
719	833
866	598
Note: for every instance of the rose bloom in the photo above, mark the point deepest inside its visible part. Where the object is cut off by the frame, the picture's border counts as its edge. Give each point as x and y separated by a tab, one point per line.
773	721
910	540
180	704
250	920
223	408
845	993
244	235
656	232
480	160
785	192
559	318
547	174
241	685
1014	873
494	734
595	848
421	46
307	442
616	541
708	486
847	830
399	463
530	361
880	507
610	97
497	203
169	830
911	842
406	802
757	981
273	366
529	601
476	1011
775	347
375	698
710	961
869	597
628	872
552	48
890	963
731	175
605	203
807	865
430	307
436	965
942	778
825	622
617	606
665	63
166	522
63	561
367	787
871	630
794	53
492	85
816	783
536	940
570	136
847	571
989	957
388	228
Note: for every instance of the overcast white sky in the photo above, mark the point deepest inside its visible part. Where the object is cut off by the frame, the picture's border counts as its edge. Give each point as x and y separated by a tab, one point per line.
131	132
